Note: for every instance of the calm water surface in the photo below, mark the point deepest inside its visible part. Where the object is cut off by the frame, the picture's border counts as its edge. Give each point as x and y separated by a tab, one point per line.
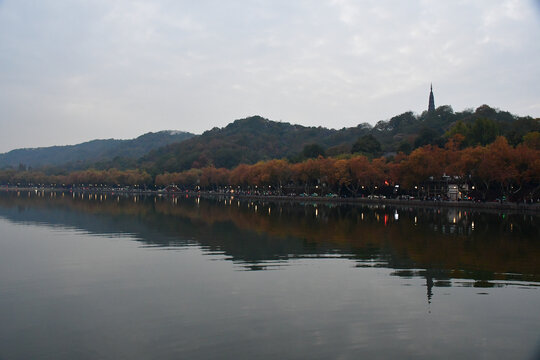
113	277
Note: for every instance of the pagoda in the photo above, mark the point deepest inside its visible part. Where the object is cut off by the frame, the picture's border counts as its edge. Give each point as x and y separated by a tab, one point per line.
431	106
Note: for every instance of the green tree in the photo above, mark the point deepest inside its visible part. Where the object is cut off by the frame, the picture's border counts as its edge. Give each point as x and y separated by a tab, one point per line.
425	137
521	127
459	128
532	140
483	131
367	144
312	151
405	148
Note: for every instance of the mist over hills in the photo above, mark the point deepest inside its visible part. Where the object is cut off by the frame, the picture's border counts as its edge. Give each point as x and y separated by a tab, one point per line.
255	138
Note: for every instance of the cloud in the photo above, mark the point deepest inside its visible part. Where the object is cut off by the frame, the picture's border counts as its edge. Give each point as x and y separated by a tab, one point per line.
117	69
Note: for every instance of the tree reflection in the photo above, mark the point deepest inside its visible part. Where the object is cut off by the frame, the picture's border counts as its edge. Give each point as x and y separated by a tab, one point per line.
443	246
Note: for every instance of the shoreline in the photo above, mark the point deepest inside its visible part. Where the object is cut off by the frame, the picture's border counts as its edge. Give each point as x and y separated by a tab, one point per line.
489	206
463	204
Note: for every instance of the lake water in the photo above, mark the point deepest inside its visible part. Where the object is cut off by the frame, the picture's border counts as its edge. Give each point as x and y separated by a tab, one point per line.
124	277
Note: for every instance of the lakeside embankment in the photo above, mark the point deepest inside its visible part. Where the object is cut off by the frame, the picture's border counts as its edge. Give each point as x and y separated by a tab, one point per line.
401	202
463	204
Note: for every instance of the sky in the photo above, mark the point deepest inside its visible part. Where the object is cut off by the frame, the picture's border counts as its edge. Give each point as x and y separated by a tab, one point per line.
77	70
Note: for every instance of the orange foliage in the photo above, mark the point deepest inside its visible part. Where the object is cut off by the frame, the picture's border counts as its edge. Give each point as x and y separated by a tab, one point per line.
511	169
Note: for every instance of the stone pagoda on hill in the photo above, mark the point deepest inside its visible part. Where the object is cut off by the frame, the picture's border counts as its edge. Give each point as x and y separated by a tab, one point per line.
431	106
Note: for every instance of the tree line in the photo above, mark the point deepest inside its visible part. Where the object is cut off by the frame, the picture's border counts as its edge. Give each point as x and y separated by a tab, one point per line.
492	171
92	177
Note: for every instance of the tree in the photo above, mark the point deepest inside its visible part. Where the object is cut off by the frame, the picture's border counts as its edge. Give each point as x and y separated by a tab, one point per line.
405	148
277	173
239	175
312	151
423	163
212	177
527	162
532	140
483	131
360	172
459	128
520	128
425	137
367	144
329	173
498	165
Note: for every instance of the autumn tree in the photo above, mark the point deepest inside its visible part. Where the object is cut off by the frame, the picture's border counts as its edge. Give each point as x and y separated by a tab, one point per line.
498	165
421	164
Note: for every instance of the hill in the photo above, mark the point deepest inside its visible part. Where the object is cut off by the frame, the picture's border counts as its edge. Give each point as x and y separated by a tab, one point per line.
246	141
91	152
255	138
418	130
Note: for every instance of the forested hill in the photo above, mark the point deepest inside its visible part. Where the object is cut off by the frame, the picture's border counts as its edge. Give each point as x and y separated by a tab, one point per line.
91	152
246	141
255	138
480	126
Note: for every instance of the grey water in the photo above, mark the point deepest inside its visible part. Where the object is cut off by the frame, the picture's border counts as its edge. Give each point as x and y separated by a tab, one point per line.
95	276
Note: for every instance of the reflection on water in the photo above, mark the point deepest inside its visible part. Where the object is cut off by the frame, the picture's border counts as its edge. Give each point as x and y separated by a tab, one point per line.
446	247
91	276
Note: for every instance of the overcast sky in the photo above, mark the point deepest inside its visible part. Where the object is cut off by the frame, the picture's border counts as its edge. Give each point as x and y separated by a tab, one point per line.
72	71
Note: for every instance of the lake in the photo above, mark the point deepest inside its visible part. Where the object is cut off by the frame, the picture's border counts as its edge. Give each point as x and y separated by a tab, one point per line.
95	276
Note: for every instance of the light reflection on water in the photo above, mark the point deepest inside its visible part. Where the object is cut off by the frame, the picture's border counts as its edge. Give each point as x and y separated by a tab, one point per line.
374	233
346	281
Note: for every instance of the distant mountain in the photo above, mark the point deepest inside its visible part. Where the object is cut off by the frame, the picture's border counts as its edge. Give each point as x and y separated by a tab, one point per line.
80	155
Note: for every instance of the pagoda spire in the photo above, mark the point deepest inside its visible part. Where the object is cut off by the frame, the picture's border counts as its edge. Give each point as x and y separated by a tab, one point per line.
431	106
